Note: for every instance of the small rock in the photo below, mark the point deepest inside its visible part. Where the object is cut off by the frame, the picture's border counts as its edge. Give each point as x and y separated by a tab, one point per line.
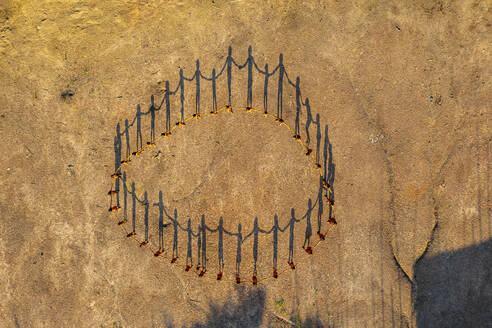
67	94
375	139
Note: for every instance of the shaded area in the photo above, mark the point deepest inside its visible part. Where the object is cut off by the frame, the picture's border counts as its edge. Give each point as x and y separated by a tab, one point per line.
246	312
249	311
454	289
313	322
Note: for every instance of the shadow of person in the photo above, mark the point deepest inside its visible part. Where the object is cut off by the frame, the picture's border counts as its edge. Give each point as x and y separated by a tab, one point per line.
454	289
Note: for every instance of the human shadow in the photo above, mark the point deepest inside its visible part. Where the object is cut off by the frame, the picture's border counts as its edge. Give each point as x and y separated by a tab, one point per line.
454	289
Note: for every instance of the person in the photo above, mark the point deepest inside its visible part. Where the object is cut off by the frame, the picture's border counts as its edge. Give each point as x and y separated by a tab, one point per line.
219	276
275	274
114	209
326	184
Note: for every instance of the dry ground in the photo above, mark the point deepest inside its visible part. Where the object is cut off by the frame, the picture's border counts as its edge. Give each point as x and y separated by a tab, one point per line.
404	87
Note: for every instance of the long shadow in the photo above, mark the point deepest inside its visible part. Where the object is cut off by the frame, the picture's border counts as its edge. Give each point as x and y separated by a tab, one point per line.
117	159
309	121
152	110
175	235
329	168
139	127
454	289
309	228
247	312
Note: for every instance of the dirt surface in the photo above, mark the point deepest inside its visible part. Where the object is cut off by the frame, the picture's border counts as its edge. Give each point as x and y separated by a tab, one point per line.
404	88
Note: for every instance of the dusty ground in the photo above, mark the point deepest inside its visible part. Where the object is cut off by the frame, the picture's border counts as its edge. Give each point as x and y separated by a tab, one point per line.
404	88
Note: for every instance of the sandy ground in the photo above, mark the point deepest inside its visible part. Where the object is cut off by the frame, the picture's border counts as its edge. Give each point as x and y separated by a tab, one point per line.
404	88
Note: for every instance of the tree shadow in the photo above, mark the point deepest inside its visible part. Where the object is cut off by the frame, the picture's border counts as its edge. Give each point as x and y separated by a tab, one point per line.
246	312
312	322
454	289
